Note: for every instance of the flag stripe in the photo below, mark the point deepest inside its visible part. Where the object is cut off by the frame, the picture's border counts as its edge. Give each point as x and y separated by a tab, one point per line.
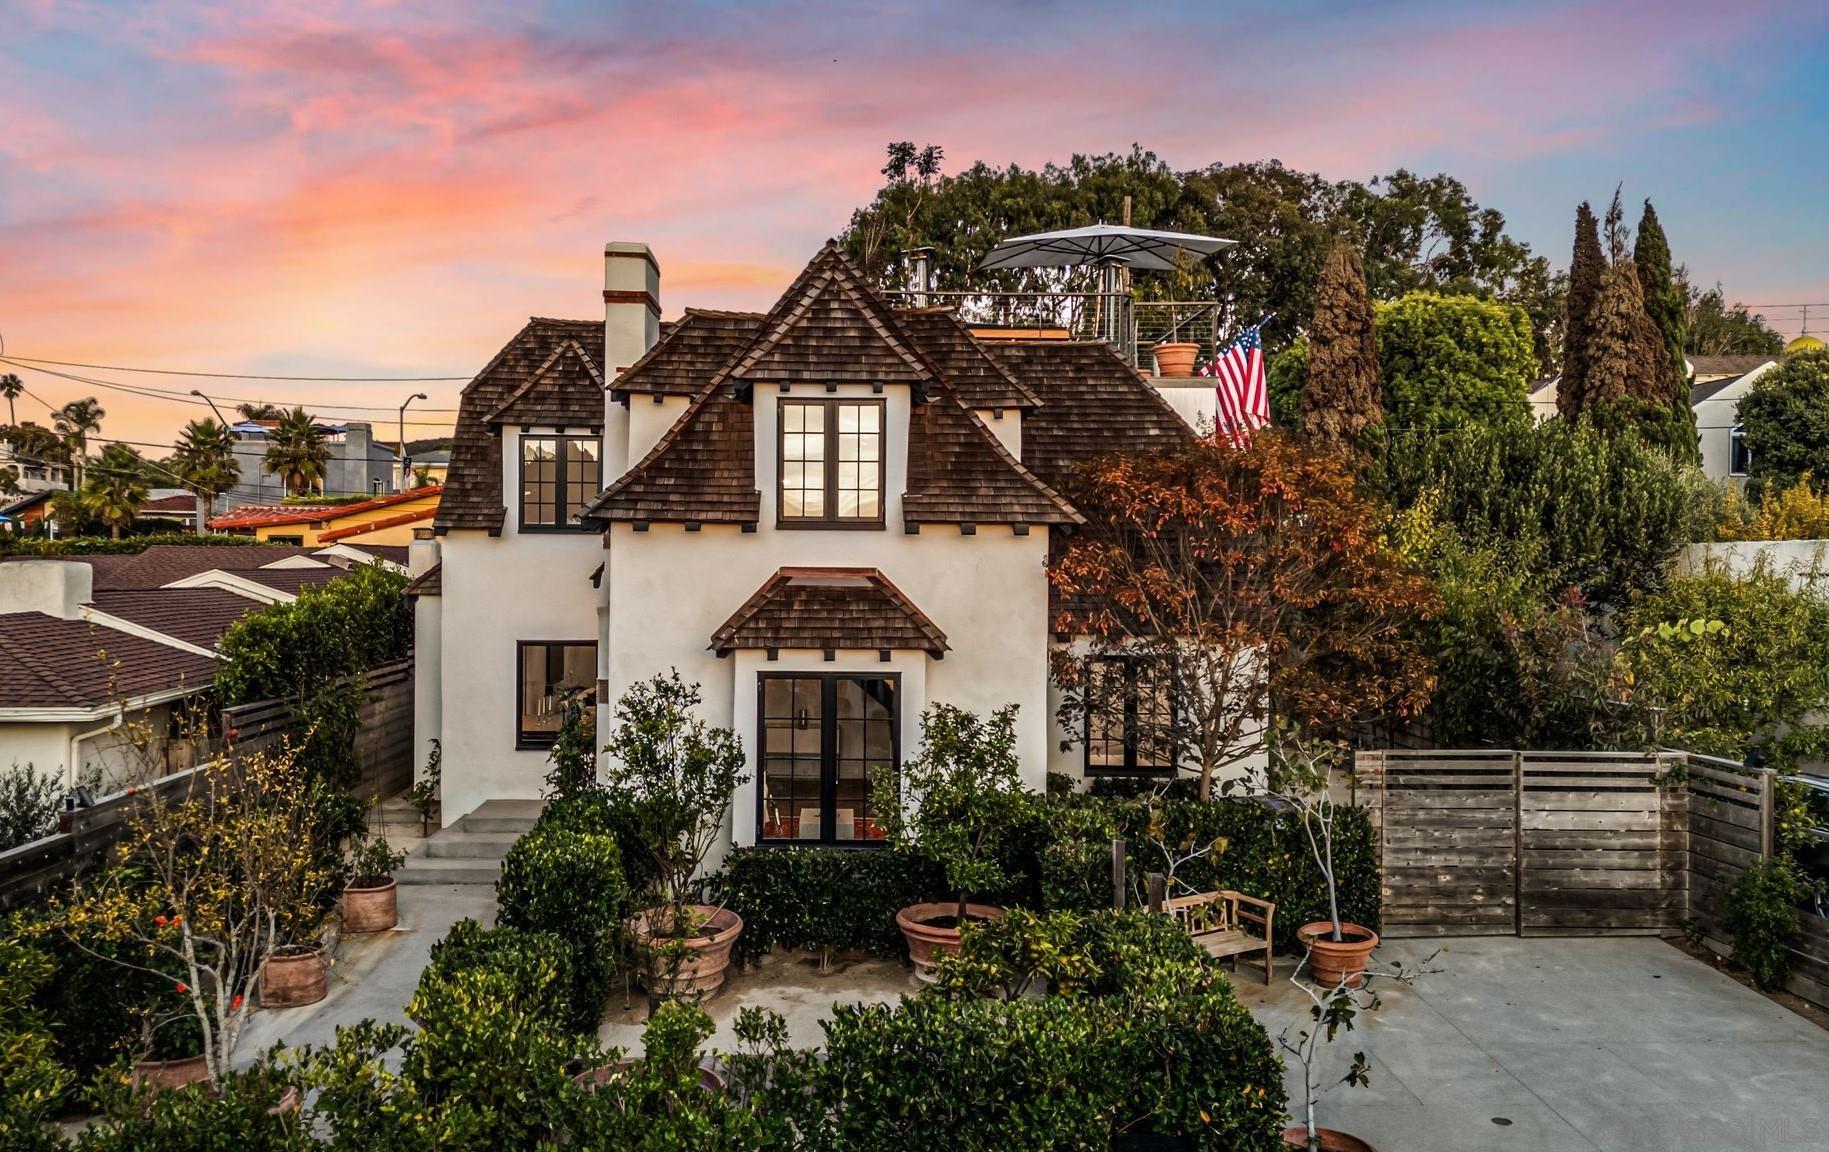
1243	394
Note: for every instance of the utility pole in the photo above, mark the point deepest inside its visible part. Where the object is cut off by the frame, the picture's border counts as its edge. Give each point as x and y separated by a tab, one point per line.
400	485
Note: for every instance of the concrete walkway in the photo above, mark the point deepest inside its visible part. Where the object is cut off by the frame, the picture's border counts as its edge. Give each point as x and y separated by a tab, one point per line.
372	976
1570	1045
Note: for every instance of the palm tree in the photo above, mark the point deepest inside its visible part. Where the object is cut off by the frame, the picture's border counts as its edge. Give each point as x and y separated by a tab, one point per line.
296	452
10	387
205	463
116	488
74	421
259	411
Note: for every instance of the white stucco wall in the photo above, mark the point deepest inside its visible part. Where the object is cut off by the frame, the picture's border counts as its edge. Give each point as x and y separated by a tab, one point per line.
130	753
428	679
648	422
1804	562
1193	399
1006	425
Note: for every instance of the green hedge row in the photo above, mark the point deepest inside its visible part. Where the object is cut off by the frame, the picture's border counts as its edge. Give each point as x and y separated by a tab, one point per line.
1059	851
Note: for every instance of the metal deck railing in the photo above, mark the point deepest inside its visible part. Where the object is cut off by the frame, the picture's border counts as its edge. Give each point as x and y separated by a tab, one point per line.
1132	326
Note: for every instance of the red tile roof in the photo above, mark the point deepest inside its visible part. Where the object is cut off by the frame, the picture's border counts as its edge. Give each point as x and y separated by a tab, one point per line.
393	521
272	515
55	663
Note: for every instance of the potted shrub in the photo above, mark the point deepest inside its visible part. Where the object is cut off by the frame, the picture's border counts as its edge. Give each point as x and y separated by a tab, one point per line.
170	1051
675	776
954	798
1299	776
371	900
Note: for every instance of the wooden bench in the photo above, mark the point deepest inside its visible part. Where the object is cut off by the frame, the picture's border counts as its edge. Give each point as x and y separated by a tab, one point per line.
1228	924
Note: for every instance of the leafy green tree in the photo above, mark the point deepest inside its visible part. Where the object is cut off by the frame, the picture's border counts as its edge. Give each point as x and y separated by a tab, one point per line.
1586	268
1665	300
12	388
297	453
205	463
1786	418
1451	360
1716	329
1341	406
9	481
74	422
115	489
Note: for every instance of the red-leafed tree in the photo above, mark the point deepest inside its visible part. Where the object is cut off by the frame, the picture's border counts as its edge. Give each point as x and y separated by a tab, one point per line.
1255	582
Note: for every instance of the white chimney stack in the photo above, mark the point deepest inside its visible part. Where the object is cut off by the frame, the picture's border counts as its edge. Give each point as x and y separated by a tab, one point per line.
57	588
631	325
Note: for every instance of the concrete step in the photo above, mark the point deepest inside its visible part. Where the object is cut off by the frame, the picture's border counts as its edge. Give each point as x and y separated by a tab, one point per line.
503	816
458	843
421	869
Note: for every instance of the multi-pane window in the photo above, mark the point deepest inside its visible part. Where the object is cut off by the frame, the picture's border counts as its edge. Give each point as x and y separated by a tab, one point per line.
559	476
547	673
832	461
1740	458
825	741
1129	717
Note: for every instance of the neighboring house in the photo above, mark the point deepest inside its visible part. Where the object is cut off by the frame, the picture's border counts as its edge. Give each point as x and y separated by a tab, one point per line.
359	464
99	653
829	516
25	513
178	507
1717	384
34	475
385	520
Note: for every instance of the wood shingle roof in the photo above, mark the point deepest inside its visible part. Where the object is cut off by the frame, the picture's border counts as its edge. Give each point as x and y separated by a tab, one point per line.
829	609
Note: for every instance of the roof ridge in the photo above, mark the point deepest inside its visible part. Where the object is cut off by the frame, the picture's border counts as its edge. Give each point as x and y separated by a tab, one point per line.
538	375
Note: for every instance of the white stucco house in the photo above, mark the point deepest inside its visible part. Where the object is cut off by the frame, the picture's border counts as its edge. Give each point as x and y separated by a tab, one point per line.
829	516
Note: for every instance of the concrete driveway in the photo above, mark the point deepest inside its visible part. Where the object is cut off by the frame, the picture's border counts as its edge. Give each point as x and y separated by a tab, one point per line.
1570	1045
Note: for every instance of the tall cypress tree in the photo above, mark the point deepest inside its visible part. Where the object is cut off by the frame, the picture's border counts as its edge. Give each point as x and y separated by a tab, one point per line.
1665	300
1341	403
1585	269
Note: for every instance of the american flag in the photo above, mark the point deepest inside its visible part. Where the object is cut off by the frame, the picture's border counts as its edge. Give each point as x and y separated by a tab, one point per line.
1244	396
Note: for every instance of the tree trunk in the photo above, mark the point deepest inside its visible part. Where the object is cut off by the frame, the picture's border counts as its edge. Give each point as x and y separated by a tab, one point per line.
114	530
203	514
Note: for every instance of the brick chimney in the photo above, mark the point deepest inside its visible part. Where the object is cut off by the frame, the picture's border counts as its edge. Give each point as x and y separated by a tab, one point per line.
631	325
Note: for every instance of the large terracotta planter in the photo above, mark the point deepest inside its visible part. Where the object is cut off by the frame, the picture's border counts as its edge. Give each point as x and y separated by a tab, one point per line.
371	909
1331	1141
157	1074
701	970
1176	360
592	1079
293	979
1330	961
926	939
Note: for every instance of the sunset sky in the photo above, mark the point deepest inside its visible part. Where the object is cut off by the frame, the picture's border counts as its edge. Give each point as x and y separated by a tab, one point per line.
391	189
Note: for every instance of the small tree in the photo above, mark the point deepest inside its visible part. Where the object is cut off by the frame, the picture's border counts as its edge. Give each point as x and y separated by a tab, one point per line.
1341	405
214	881
1786	417
956	795
675	775
1585	269
297	452
1238	577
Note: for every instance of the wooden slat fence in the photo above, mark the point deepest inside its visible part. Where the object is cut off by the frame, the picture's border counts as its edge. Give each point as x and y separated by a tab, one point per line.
384	742
1730	830
1448	844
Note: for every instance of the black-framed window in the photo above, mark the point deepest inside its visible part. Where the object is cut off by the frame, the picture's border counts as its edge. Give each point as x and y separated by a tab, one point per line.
559	476
830	462
1739	456
824	742
545	670
1130	711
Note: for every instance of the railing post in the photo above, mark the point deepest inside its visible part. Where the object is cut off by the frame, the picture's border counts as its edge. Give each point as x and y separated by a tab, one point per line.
1517	850
1767	802
1158	886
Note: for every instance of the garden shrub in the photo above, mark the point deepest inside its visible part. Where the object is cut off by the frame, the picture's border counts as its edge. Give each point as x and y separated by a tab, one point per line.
1104	953
541	968
235	1116
592	810
288	651
659	1103
567	882
1762	916
92	1004
831	899
28	805
31	1082
1786	417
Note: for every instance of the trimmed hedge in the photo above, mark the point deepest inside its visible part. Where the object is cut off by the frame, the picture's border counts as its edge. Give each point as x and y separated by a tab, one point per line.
542	968
842	899
1059	853
567	881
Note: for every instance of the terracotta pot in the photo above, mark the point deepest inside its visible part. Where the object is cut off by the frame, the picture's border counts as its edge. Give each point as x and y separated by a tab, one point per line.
925	939
292	979
1176	359
158	1074
592	1079
371	909
1331	1141
701	970
288	1102
1331	961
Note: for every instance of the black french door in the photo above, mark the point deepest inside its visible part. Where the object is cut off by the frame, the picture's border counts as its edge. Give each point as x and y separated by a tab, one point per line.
824	741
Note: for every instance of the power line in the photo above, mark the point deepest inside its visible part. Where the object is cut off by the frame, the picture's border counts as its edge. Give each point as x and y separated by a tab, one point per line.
150	393
251	376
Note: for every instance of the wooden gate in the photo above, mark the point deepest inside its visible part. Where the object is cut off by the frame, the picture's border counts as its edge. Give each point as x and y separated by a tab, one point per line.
1499	842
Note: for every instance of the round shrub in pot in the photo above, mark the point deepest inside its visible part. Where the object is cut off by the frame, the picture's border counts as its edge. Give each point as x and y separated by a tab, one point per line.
371	899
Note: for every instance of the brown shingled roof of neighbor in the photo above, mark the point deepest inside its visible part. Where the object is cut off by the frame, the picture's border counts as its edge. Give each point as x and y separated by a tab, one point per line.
473	487
689	353
182	502
829	608
55	663
292	580
1728	365
194	615
163	564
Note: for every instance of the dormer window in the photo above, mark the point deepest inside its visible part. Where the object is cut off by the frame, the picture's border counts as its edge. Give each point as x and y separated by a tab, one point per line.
831	463
559	476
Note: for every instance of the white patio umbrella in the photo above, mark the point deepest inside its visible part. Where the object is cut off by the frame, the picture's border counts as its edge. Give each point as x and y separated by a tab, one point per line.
1140	249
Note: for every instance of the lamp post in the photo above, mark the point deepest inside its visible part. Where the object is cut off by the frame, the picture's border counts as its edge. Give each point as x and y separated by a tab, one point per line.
199	394
401	485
